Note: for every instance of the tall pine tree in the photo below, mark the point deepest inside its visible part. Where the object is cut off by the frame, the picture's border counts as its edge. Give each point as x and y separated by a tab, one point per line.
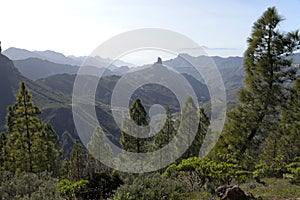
77	162
98	147
188	127
138	115
267	67
31	146
165	135
52	150
204	123
283	145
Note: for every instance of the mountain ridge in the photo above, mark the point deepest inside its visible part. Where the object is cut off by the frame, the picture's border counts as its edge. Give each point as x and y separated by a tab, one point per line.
14	53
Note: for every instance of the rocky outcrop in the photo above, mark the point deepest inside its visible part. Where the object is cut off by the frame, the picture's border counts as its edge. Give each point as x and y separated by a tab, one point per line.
233	193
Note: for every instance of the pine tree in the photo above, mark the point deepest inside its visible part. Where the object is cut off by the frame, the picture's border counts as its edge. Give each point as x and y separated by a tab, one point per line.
52	150
138	115
28	138
98	147
289	127
92	166
283	145
166	134
204	123
188	127
267	67
77	162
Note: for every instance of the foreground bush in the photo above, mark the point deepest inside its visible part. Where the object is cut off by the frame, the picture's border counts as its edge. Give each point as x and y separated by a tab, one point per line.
204	173
153	187
28	186
294	170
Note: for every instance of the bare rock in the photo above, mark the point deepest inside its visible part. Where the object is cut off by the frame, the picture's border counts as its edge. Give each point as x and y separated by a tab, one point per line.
233	193
159	61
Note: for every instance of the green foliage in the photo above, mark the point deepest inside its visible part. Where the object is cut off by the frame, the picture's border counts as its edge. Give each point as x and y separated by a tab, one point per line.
230	158
276	168
52	150
195	171
138	115
28	186
24	128
294	170
72	190
31	145
188	127
203	125
102	184
77	162
98	147
266	171
203	129
283	145
153	187
289	127
261	171
267	68
92	166
200	172
165	135
99	186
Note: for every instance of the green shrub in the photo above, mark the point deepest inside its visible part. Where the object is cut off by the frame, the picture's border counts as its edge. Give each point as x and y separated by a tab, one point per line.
294	171
152	187
71	190
200	172
28	186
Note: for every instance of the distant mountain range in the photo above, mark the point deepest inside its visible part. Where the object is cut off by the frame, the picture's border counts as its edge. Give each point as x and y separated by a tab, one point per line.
55	57
41	64
35	68
50	77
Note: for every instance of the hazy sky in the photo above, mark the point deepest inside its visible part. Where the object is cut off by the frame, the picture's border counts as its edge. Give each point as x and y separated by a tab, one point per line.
77	27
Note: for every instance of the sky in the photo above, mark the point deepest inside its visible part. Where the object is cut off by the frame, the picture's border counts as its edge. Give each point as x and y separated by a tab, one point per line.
77	27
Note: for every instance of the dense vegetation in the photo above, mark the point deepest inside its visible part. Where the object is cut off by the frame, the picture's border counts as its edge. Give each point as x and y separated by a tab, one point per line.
259	145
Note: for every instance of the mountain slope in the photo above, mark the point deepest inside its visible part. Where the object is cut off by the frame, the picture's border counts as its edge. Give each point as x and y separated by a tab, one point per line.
231	70
10	79
56	106
34	68
149	93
